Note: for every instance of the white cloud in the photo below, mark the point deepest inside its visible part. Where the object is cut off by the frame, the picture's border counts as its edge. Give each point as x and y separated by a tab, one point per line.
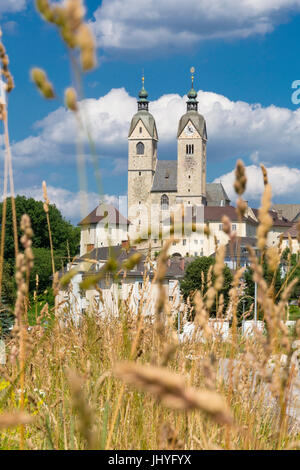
12	6
235	129
285	183
158	24
73	205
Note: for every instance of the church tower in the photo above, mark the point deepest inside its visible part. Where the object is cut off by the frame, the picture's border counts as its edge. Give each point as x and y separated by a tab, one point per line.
142	154
191	160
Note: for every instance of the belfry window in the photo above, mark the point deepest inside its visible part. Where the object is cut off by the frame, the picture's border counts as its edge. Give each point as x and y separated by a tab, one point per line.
190	149
164	202
140	148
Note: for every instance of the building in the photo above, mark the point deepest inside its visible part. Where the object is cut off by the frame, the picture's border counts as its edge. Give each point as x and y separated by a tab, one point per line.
290	212
134	286
158	187
291	238
103	227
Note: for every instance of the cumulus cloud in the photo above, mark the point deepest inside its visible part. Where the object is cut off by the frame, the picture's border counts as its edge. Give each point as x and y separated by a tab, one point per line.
158	24
12	6
235	129
285	183
73	205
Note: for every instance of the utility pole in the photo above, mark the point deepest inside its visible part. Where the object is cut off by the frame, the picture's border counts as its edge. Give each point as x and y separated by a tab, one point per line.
255	304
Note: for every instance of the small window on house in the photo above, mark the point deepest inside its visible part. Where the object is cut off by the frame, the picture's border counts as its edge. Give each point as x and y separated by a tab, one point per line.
234	227
140	148
189	177
140	173
184	242
221	227
164	202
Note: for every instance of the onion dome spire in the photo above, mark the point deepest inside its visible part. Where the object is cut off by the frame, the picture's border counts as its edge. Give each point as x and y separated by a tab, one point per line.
192	103
143	103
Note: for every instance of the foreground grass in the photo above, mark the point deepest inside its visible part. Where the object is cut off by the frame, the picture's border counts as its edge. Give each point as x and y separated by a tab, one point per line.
77	402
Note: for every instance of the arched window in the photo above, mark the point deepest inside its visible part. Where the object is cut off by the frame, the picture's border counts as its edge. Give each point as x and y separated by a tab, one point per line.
164	202
140	148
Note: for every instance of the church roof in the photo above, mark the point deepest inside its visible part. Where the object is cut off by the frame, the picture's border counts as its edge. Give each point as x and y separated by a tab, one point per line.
148	121
198	121
165	179
215	193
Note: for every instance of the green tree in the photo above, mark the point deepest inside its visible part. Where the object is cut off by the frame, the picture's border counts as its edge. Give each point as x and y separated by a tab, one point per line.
7	301
295	269
43	268
197	270
270	278
63	232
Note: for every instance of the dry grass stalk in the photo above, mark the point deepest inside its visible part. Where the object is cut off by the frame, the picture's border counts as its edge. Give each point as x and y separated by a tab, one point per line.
265	174
40	78
69	18
240	178
11	420
24	264
81	407
71	99
264	218
46	209
170	389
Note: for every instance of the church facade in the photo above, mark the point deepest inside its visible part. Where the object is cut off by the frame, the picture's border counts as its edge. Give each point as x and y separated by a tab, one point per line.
160	187
167	182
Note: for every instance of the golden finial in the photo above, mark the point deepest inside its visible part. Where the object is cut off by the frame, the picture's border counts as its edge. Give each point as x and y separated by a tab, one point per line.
143	77
192	72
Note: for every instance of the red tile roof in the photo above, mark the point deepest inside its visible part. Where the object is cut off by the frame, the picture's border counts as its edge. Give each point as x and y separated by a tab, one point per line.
215	214
293	231
106	213
277	222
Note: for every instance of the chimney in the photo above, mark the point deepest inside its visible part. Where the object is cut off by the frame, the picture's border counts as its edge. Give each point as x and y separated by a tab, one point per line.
125	244
280	214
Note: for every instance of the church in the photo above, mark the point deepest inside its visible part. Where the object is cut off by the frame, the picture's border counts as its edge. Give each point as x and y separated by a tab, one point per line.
158	189
167	183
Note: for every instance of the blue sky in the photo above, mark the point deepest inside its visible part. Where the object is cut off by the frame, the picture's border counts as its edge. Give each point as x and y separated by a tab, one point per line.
246	55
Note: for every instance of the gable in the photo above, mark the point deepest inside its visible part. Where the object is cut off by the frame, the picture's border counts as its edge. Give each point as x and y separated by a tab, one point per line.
186	135
137	134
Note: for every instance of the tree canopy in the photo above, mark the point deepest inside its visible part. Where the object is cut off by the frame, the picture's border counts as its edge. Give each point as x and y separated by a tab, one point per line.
63	232
196	272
